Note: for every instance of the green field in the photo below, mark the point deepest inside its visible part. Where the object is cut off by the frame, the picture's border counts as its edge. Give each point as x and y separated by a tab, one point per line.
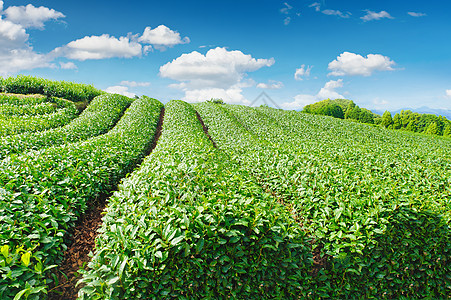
229	202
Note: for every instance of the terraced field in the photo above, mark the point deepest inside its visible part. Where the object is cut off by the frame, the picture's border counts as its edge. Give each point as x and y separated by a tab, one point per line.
229	202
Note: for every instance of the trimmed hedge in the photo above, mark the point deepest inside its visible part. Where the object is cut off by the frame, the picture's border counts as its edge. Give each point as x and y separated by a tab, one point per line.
189	224
11	125
100	116
42	193
75	92
376	202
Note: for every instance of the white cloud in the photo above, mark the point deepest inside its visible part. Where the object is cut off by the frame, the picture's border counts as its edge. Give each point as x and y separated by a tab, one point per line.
271	85
316	5
68	65
380	102
327	92
118	89
353	64
371	15
331	12
100	47
162	37
30	16
286	21
231	95
1	6
448	93
302	72
286	9
12	36
134	83
219	70
15	52
17	60
416	14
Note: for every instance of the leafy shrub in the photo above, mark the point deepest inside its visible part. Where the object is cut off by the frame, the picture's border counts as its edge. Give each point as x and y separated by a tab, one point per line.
325	108
75	92
44	192
189	224
374	201
100	116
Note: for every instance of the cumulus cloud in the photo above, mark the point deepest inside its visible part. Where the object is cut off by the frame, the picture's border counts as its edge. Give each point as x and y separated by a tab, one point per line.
100	47
327	92
371	15
22	59
12	36
134	83
353	64
231	95
16	54
416	14
302	72
448	93
30	16
122	90
271	85
219	70
68	65
162	37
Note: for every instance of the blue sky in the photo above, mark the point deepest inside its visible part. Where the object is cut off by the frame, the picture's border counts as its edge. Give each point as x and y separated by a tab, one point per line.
381	54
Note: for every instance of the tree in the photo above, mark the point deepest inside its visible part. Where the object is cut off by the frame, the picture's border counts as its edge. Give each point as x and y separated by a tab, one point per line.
397	121
387	119
366	116
447	130
432	129
411	126
216	100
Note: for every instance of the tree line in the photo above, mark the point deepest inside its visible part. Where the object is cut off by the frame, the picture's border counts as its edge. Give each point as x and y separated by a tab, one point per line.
405	120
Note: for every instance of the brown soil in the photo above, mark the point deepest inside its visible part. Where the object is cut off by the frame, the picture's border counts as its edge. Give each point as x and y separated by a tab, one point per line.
157	133
205	129
76	256
82	242
320	261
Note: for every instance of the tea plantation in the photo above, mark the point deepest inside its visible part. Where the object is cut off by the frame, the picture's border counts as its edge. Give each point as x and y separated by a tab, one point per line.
230	202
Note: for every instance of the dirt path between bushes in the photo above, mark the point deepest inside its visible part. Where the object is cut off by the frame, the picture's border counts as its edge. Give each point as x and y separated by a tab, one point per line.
82	241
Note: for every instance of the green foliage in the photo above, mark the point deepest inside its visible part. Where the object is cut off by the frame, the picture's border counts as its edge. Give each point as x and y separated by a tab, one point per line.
19	121
422	123
100	116
216	101
375	201
22	84
325	108
44	192
387	120
350	110
397	122
447	130
432	129
192	224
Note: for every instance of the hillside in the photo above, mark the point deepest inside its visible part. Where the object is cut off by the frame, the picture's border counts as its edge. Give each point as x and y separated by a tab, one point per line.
229	202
